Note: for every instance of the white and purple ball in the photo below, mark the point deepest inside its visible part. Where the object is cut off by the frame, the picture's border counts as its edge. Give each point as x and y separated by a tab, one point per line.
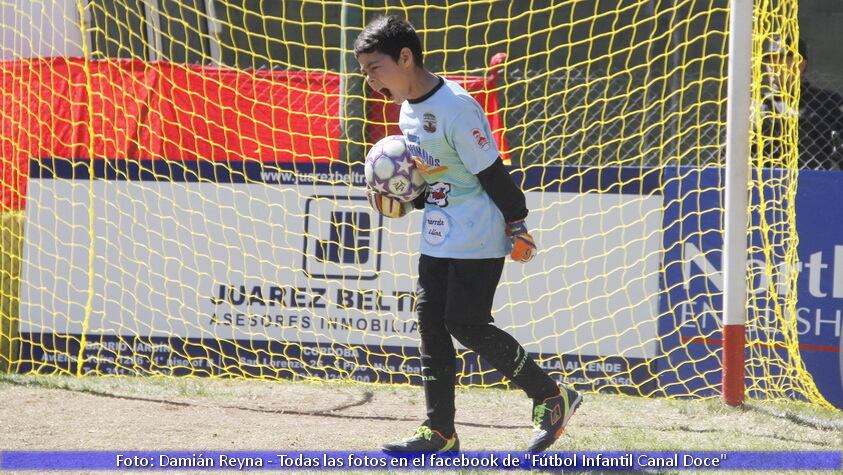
391	170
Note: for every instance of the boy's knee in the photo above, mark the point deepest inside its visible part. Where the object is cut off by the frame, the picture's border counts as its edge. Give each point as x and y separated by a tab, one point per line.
463	332
432	330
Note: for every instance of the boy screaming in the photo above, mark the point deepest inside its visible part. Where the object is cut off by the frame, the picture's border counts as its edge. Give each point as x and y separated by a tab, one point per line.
473	216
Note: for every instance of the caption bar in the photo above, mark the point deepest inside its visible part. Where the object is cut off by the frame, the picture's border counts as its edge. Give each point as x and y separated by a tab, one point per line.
575	461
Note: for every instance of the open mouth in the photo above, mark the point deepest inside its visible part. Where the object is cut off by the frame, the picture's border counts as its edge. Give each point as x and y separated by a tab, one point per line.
386	93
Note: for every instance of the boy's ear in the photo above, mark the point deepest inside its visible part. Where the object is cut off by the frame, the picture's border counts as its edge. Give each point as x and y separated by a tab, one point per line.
406	56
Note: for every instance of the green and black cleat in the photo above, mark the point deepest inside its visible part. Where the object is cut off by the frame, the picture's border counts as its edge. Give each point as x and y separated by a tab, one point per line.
551	416
425	440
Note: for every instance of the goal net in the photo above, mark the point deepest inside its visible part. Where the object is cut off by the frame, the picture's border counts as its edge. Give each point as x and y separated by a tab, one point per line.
183	192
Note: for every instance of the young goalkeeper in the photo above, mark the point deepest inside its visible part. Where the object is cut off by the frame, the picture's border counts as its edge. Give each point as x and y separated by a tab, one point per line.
473	216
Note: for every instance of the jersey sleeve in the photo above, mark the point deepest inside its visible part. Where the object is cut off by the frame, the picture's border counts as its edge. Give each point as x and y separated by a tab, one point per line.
471	137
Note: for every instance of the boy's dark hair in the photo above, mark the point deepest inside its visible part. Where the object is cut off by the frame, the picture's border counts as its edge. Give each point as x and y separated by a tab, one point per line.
389	35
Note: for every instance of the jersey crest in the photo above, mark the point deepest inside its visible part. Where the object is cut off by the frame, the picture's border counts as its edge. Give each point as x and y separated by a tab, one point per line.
438	194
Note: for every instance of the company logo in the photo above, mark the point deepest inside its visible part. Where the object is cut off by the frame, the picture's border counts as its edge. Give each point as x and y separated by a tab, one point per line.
438	194
481	139
349	238
341	238
429	122
814	276
436	226
555	414
819	284
429	172
429	167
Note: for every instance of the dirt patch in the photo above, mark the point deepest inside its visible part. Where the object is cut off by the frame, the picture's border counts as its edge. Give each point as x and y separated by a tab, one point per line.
238	415
62	413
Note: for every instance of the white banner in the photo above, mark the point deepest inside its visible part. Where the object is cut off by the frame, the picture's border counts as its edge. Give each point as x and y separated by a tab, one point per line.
312	263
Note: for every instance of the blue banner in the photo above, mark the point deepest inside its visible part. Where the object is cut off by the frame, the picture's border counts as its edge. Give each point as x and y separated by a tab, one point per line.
312	460
144	356
819	222
611	180
691	310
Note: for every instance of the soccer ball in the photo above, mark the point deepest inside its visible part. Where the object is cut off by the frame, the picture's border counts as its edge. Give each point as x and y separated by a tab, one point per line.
391	170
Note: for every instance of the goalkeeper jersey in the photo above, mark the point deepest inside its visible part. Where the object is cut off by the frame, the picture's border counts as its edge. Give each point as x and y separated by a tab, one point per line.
448	131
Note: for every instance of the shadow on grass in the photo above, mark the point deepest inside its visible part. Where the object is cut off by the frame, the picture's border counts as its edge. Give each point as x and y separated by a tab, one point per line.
803	420
367	397
334	412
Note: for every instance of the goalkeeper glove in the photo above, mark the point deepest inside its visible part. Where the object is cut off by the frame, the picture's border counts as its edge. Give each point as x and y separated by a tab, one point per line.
386	205
523	245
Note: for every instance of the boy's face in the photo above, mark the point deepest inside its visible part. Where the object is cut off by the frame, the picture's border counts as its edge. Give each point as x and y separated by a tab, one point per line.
386	76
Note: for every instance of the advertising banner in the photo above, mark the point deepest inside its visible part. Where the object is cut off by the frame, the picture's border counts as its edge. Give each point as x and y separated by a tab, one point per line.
691	309
206	268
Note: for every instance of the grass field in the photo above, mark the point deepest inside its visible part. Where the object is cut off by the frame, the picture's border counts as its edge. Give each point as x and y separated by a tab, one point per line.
63	413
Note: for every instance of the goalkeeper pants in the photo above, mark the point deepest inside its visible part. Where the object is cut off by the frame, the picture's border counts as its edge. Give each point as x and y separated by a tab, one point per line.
454	298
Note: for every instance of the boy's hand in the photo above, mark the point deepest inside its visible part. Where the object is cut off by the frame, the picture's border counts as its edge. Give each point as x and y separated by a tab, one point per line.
523	245
387	206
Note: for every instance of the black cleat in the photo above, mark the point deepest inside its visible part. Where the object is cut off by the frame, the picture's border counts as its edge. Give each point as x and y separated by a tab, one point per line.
551	416
425	440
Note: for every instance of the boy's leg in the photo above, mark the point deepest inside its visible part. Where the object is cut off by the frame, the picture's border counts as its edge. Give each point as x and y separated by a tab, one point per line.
468	316
438	364
438	357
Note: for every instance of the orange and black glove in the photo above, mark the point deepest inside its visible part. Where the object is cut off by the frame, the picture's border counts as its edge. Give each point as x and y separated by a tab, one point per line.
386	205
523	245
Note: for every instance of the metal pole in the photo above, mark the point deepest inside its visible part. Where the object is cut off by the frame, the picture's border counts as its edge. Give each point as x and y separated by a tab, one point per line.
736	206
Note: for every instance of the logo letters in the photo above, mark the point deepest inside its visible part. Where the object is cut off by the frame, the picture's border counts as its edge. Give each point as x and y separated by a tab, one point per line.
348	240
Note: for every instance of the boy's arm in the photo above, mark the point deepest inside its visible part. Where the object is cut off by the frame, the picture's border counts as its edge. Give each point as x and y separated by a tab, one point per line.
471	137
498	184
504	192
419	201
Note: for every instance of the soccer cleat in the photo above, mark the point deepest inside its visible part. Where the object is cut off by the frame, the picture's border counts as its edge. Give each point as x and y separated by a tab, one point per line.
551	416
425	440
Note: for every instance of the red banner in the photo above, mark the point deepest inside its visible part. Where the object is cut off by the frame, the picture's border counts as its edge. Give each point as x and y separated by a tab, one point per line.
69	107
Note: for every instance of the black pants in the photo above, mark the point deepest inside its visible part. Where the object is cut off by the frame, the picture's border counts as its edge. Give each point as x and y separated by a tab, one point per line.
454	298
